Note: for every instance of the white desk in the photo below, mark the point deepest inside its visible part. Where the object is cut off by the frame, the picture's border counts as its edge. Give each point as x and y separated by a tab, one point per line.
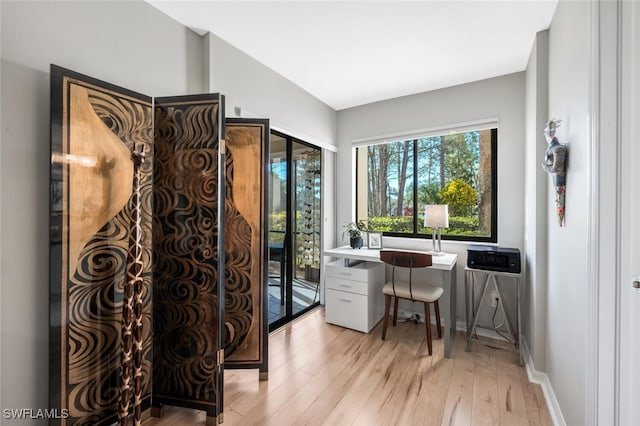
446	263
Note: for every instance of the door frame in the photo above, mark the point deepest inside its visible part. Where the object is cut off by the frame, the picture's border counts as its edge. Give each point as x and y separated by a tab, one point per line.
610	164
288	243
629	66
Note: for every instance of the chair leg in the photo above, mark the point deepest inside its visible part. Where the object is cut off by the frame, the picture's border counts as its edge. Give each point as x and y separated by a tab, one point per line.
427	322
438	319
387	307
395	310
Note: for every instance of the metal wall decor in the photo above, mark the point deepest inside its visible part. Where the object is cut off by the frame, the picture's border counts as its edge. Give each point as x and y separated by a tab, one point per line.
555	163
94	126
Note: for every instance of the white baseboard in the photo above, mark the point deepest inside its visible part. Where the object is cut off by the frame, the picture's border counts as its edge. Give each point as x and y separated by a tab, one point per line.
542	379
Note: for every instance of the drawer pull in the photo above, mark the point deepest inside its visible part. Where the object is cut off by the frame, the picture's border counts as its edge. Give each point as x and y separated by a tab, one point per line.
345	285
346	274
345	300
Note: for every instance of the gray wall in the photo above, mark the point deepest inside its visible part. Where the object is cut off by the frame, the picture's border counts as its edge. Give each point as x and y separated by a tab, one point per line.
254	90
501	97
567	254
537	183
130	44
260	91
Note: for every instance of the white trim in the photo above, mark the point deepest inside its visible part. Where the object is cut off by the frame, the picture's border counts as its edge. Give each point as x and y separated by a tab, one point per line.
303	137
323	191
412	243
629	96
245	113
618	219
542	379
483	124
593	223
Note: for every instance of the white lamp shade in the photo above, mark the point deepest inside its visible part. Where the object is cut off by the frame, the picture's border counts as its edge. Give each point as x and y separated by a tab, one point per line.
436	216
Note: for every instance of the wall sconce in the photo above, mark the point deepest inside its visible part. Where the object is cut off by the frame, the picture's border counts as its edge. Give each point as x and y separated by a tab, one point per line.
436	217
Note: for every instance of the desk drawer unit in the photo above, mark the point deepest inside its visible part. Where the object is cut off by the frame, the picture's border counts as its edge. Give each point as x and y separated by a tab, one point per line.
339	284
357	272
354	294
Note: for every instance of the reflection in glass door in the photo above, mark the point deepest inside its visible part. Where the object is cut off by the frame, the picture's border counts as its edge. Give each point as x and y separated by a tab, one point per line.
294	232
306	232
278	220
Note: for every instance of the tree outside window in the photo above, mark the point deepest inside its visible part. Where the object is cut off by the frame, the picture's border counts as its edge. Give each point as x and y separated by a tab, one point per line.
395	181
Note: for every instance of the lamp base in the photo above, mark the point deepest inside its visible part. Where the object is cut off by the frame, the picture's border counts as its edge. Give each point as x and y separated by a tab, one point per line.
437	237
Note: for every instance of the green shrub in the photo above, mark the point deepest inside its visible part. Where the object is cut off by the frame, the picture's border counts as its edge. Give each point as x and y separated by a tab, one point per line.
391	224
457	225
278	221
460	196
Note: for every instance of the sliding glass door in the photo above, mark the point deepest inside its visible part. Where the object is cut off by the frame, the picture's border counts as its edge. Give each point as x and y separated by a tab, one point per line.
294	228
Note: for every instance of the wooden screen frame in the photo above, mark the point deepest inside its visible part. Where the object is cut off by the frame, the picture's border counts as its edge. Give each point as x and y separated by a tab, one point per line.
60	345
257	357
188	138
76	236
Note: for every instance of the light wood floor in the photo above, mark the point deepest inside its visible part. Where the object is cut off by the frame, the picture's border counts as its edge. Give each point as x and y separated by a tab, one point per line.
321	374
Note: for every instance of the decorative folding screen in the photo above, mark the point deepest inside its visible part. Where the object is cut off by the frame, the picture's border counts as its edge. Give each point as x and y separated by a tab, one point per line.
246	230
188	252
182	204
94	125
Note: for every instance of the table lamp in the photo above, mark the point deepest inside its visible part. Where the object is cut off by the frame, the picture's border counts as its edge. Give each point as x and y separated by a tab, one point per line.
436	217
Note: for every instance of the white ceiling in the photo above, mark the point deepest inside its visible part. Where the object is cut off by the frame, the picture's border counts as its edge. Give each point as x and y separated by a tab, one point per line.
349	53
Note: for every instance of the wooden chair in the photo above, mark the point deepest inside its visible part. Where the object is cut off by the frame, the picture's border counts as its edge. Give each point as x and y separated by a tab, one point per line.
402	289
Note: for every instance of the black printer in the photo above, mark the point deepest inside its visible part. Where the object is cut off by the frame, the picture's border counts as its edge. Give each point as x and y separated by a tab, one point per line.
491	258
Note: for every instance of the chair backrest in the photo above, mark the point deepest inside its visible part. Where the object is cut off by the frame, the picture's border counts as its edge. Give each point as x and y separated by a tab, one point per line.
405	259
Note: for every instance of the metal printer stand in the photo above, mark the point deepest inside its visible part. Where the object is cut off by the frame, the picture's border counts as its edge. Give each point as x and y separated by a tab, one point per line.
472	310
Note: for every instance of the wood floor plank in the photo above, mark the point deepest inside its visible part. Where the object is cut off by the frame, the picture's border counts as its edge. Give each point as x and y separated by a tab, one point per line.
250	393
537	411
230	417
459	402
387	401
298	343
404	392
340	361
460	387
513	409
484	356
255	394
424	404
331	382
438	373
346	408
278	398
178	416
321	374
485	409
301	370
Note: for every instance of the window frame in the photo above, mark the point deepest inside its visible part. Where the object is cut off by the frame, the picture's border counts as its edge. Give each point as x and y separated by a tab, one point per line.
493	238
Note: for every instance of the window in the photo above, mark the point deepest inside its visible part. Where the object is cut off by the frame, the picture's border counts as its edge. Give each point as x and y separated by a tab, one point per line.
395	180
